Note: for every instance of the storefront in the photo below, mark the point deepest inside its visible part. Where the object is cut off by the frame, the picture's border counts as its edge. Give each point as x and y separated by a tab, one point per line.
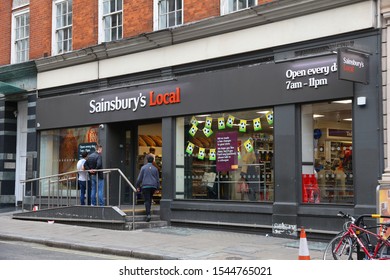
279	143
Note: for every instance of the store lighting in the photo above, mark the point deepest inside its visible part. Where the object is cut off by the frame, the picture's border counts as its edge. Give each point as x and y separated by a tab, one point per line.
348	119
347	101
201	116
262	112
318	116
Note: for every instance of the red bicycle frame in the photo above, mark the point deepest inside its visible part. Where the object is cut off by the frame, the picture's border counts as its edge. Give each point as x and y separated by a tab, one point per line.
354	231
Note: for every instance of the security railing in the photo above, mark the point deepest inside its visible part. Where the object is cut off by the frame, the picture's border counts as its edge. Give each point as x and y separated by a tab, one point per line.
61	190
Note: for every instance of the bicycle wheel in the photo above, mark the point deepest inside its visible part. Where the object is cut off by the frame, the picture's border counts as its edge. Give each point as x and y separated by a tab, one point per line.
384	252
339	248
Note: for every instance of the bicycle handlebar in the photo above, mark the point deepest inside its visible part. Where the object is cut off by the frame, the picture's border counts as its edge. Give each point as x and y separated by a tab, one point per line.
343	215
361	217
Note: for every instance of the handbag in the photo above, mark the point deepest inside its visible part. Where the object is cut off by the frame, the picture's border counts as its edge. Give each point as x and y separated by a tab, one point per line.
242	187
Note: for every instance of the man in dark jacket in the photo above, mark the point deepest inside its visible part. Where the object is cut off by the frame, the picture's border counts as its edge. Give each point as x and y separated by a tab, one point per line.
93	162
148	180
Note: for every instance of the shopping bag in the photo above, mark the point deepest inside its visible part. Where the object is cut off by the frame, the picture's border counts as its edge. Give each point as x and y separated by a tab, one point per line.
242	187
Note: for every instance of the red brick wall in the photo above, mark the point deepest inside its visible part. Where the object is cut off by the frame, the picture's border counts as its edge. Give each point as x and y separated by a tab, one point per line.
195	10
260	2
40	28
5	31
137	17
85	23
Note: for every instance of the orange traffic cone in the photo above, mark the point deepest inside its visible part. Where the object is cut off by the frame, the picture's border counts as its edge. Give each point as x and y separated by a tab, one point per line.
303	248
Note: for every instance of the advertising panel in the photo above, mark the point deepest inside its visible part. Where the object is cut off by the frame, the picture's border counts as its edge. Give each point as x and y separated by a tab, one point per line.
353	65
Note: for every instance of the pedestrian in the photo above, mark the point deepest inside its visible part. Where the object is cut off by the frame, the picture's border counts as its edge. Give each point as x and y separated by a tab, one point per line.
152	152
148	181
83	180
95	162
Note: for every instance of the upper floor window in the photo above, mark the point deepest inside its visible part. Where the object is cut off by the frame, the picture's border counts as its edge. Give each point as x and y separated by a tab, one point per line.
170	13
111	26
229	6
62	15
21	36
19	3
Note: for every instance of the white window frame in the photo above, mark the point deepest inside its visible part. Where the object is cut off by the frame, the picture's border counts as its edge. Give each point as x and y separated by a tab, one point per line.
102	37
156	15
54	40
225	6
14	55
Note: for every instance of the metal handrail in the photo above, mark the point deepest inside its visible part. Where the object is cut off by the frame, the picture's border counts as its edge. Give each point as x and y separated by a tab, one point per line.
62	177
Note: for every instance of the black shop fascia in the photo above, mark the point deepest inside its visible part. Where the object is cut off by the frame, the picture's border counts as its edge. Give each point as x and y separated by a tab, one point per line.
305	80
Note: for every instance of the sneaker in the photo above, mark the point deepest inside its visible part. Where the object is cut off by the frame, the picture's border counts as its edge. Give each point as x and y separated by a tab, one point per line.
148	218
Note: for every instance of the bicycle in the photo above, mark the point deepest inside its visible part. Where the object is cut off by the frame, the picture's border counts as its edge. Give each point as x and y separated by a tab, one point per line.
357	237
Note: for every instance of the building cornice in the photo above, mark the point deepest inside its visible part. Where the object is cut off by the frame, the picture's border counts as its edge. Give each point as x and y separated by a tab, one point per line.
255	16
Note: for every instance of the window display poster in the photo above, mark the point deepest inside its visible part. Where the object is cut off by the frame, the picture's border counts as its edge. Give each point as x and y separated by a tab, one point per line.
69	150
226	150
87	147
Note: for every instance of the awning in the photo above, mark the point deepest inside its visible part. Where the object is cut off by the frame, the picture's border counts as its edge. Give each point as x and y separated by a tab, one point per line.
12	75
7	89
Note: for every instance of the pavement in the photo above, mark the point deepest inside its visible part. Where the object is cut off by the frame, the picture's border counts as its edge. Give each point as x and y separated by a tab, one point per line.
167	243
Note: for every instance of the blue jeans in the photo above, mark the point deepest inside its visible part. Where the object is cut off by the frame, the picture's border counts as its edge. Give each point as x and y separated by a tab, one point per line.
83	188
100	190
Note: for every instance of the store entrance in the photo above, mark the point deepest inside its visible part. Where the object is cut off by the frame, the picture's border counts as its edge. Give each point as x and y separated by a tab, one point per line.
150	142
142	139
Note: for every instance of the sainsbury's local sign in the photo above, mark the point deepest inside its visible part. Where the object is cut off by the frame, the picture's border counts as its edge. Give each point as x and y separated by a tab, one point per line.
141	100
353	65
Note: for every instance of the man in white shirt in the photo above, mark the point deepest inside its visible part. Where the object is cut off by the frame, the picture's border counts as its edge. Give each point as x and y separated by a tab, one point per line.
83	180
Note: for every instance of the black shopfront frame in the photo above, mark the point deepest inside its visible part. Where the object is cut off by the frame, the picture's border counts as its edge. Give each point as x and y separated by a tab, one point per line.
284	86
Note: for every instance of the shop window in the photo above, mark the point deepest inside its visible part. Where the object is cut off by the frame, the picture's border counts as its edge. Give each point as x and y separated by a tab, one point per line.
168	13
225	156
327	173
63	26
111	26
229	6
60	149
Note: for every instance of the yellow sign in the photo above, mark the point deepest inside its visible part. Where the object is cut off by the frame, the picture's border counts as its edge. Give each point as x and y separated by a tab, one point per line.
383	204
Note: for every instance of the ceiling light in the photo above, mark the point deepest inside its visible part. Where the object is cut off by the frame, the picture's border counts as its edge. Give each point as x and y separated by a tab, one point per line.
262	112
347	101
318	116
201	116
348	119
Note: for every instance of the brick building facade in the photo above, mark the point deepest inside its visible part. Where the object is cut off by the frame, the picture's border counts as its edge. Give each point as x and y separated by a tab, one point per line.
59	51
